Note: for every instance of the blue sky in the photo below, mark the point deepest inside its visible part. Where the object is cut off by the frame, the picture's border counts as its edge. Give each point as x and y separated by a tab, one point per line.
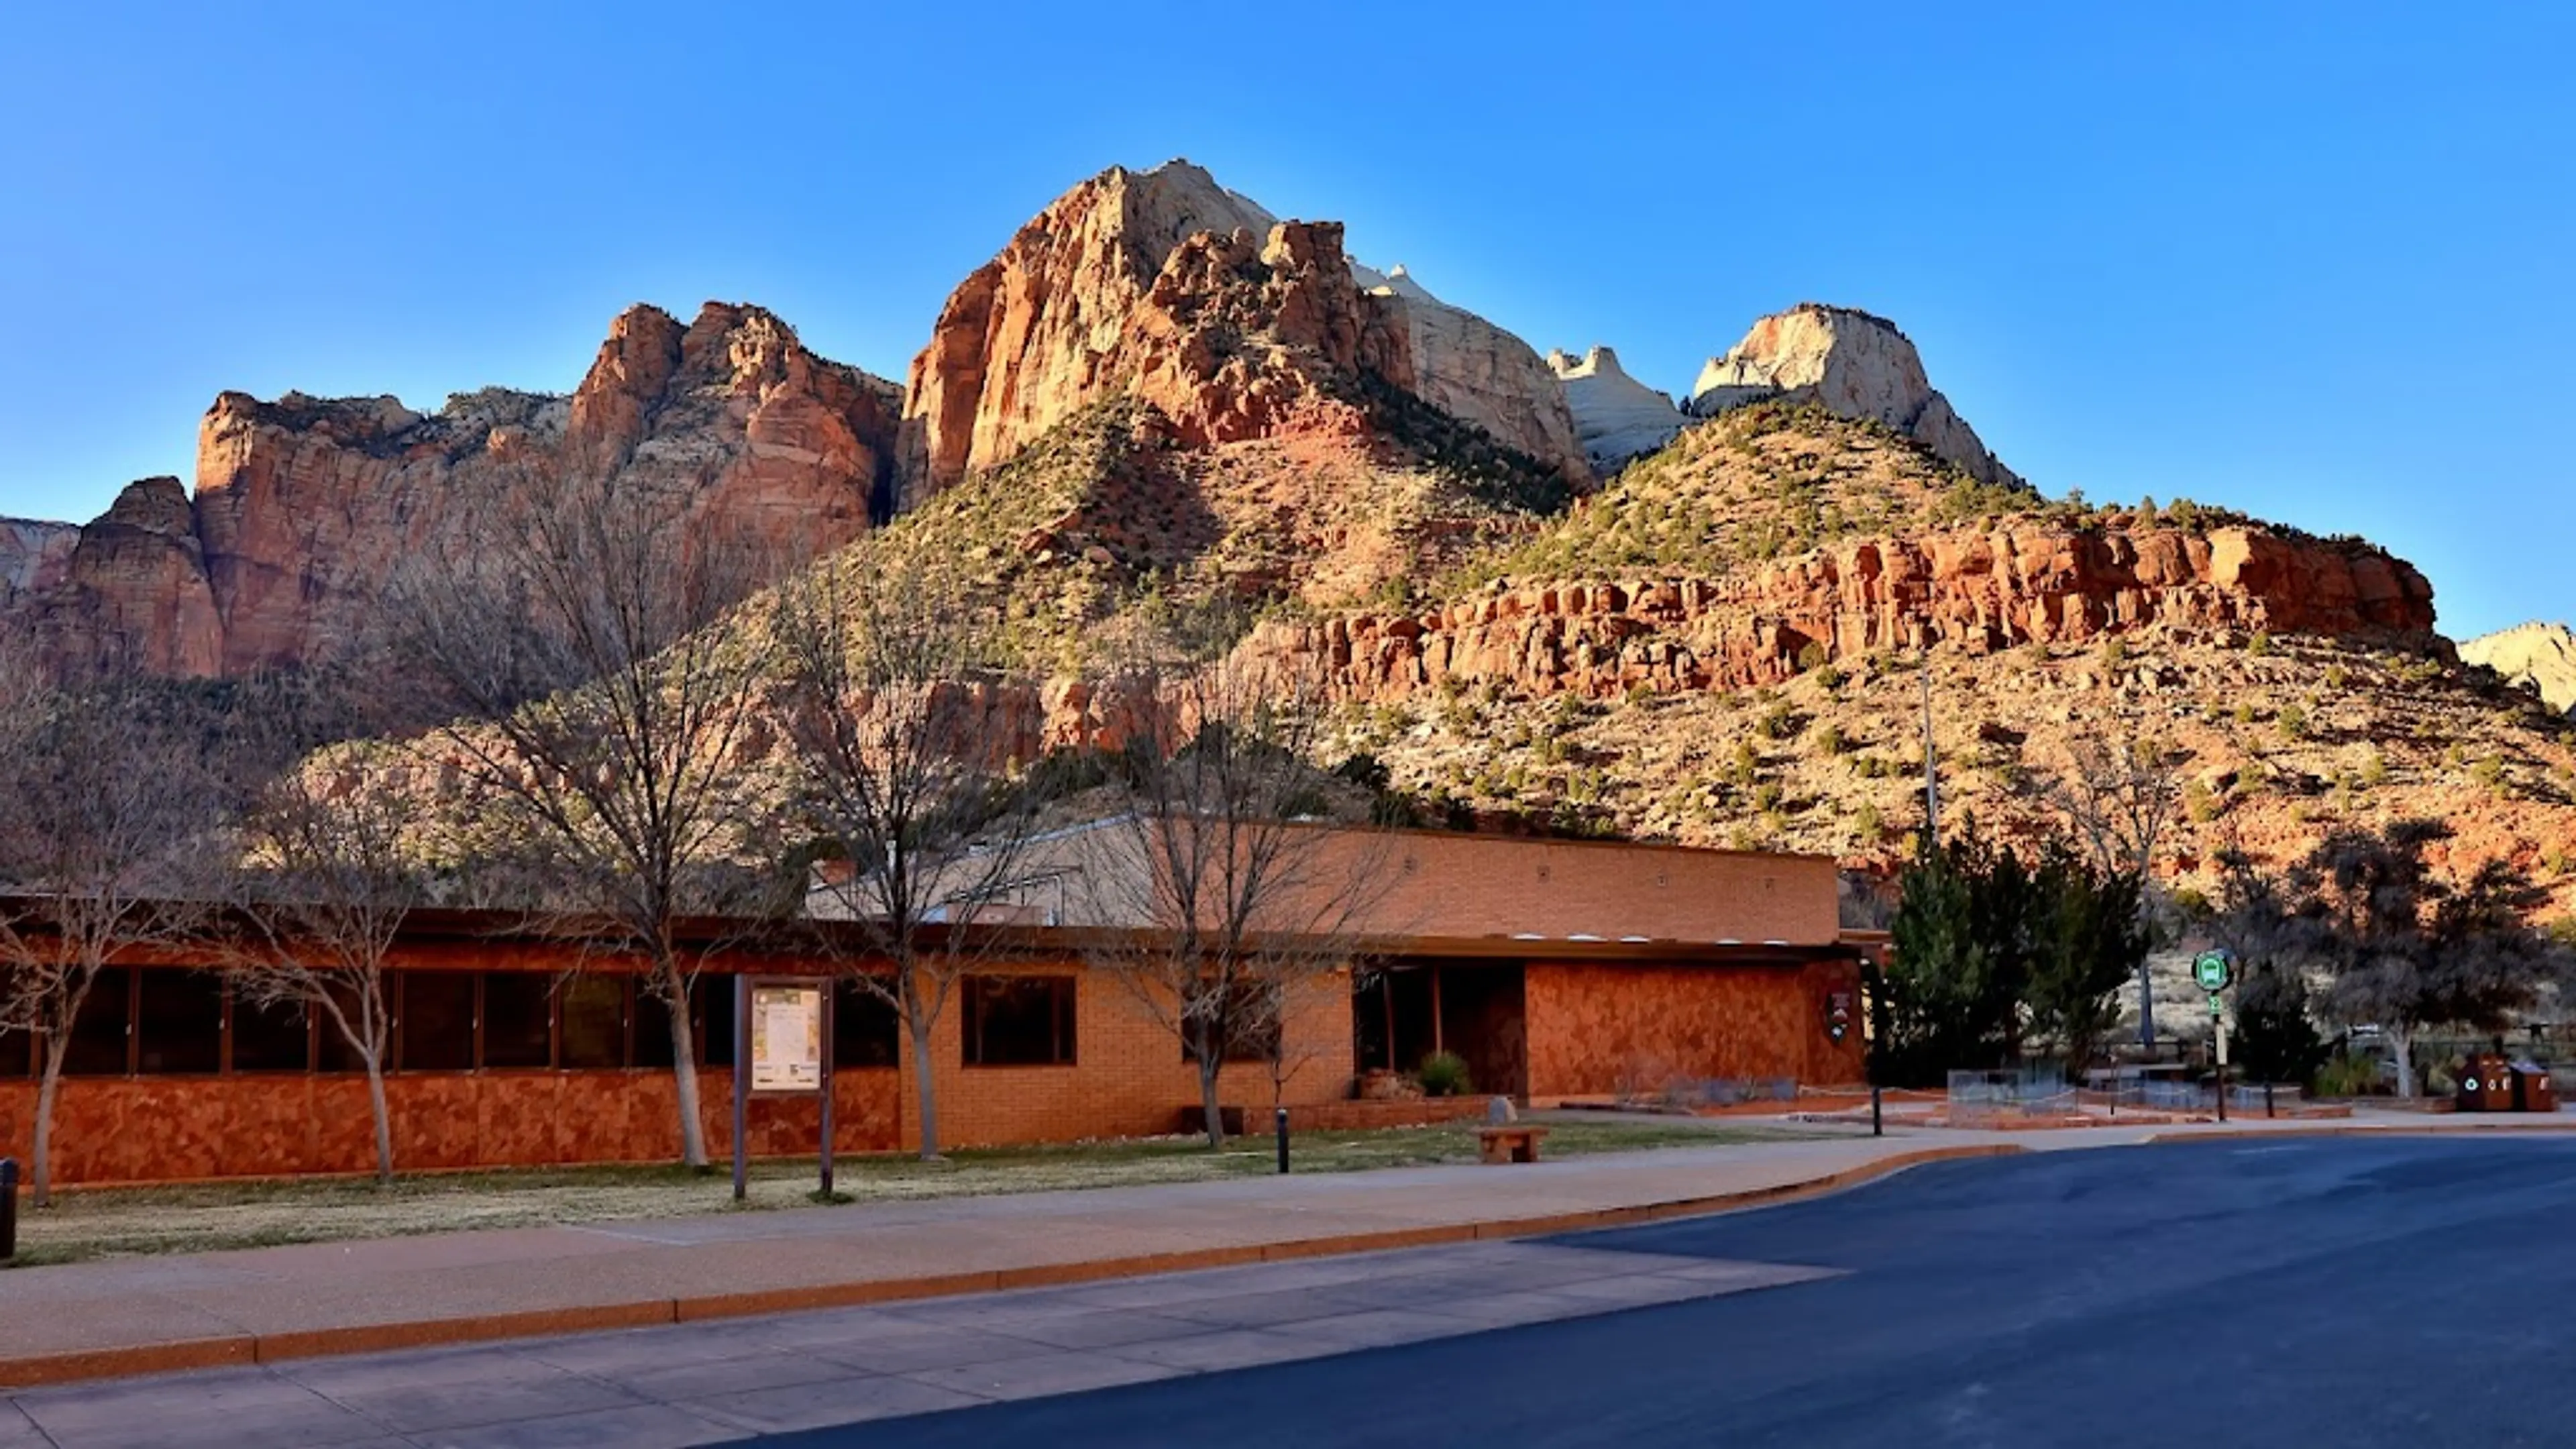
2311	261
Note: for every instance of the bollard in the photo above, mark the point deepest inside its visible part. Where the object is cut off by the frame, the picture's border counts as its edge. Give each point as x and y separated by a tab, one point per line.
8	1208
1877	1128
1279	1120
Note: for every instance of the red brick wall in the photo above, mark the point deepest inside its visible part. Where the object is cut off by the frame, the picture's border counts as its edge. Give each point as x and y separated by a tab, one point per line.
144	1129
1128	1078
1596	1029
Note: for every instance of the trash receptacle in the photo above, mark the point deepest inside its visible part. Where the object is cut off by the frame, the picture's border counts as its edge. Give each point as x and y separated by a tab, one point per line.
2531	1089
2486	1085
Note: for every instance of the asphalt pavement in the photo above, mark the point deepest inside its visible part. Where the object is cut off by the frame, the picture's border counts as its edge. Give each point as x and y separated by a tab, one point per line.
2300	1292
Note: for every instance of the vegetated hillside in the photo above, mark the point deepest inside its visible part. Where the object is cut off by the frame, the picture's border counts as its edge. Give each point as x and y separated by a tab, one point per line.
1730	644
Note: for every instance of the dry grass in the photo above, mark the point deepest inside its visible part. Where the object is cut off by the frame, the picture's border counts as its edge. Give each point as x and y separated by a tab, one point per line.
119	1222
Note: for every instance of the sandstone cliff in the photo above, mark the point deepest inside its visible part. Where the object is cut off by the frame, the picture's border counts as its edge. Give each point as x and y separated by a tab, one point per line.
1854	365
2538	657
1977	591
304	504
1080	306
33	556
1616	416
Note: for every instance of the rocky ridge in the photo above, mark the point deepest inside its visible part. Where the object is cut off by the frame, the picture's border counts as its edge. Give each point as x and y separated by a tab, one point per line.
303	505
2536	656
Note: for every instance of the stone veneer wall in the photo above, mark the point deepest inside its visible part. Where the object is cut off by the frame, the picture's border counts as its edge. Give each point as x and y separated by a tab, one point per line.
1596	1030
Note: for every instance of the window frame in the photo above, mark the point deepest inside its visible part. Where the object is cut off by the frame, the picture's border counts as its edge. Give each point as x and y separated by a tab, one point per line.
1064	1016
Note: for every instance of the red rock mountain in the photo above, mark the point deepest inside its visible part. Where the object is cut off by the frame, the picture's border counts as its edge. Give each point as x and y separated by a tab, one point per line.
304	504
1093	299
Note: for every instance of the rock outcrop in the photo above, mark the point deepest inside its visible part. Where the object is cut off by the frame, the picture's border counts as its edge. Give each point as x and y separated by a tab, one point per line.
2538	657
1853	365
1079	304
33	556
1478	373
304	505
133	595
1615	416
1970	590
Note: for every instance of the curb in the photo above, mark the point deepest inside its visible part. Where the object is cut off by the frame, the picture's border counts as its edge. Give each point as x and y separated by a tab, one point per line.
2364	1129
44	1370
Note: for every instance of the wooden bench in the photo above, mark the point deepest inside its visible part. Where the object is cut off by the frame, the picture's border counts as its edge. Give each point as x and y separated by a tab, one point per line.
1510	1142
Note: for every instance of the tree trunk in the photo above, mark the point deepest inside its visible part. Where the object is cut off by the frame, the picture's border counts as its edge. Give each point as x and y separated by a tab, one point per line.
684	1072
384	1119
40	1165
1211	1061
925	1089
2403	1040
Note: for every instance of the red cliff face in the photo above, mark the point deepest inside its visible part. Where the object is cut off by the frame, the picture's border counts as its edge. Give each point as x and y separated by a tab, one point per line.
1163	285
1981	591
303	504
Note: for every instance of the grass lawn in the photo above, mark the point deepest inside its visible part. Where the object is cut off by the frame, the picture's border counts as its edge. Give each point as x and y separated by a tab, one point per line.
199	1218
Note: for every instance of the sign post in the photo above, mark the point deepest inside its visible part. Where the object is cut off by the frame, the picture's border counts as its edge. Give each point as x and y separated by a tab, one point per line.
782	1033
2213	971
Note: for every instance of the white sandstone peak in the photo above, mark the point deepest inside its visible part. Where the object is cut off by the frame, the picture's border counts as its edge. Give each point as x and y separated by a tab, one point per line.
1616	417
1852	363
2537	656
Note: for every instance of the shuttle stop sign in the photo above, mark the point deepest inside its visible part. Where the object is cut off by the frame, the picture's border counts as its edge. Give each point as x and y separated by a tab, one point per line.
2213	970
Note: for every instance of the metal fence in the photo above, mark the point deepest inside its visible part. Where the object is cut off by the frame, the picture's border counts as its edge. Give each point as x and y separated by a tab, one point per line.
2011	1094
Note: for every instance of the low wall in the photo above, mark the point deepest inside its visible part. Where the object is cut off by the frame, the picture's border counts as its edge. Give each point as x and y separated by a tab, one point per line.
169	1129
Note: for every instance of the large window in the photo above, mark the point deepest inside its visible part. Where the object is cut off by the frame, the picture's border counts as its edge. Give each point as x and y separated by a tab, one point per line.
437	1021
1019	1021
866	1032
179	1022
594	1021
714	995
274	1038
518	1019
101	1033
332	1052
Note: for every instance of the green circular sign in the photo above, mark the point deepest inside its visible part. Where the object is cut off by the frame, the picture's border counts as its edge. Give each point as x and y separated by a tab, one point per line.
2213	969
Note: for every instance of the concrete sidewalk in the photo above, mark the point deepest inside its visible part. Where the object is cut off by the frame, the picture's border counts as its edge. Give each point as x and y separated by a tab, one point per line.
145	1315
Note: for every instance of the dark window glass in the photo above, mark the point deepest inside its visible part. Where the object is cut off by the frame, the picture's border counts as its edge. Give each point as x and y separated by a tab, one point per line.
17	1048
438	1021
97	1045
653	1025
276	1037
179	1022
332	1052
715	1022
594	1022
1019	1021
518	1019
865	1029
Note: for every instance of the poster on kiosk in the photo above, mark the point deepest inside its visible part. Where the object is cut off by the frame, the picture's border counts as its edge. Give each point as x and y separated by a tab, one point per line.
786	1039
782	1048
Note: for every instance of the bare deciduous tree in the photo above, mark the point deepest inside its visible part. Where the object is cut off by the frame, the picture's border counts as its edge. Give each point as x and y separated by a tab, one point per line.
594	702
2121	798
1239	896
113	790
901	726
326	885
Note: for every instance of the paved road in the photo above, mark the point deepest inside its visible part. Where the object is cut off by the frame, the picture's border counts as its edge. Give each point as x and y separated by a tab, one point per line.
2314	1292
2252	1292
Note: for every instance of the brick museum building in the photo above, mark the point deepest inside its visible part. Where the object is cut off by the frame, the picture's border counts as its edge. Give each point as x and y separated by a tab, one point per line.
1558	970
